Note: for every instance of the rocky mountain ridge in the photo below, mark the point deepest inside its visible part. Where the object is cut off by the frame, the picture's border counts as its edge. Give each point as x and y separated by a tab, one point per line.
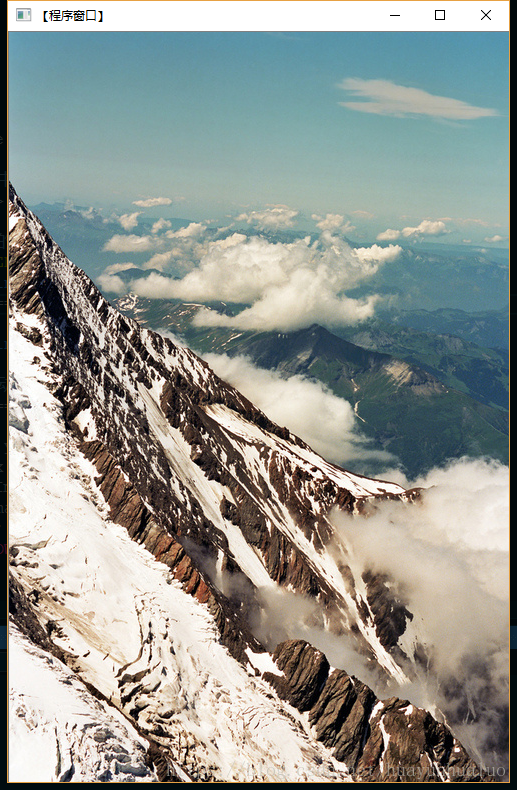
420	412
232	506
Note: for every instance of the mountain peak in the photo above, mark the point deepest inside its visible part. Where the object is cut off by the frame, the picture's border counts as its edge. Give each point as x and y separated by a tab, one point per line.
169	520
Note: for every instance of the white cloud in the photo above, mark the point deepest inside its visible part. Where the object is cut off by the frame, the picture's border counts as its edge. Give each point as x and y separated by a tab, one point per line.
151	202
383	97
287	286
388	235
162	260
180	249
329	221
426	228
112	283
494	239
130	243
447	557
293	306
477	492
377	255
115	268
129	221
333	222
228	241
160	224
192	230
270	218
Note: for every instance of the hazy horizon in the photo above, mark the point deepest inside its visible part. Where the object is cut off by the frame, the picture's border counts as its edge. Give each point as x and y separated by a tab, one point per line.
391	137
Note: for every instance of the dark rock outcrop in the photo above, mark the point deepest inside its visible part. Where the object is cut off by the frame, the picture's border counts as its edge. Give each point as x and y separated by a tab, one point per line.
379	741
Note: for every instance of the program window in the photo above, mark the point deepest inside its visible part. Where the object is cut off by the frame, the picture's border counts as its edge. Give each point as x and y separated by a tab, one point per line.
256	303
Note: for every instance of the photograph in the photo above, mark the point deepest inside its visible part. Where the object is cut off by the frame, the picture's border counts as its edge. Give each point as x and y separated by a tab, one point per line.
258	365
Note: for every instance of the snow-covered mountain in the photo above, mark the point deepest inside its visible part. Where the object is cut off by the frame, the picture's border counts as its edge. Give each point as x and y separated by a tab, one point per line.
171	552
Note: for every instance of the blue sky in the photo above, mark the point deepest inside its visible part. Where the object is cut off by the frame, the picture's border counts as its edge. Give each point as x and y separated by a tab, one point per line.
225	124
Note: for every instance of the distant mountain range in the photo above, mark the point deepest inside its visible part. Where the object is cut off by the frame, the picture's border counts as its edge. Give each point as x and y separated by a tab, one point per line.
457	352
488	328
443	276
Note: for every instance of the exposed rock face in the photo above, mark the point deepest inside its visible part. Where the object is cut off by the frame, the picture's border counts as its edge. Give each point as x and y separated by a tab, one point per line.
128	510
379	741
305	672
229	501
389	613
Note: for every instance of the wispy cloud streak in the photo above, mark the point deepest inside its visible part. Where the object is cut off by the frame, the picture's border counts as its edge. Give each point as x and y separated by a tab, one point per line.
382	97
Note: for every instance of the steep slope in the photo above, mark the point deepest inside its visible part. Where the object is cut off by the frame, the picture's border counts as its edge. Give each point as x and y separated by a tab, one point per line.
195	459
127	632
114	426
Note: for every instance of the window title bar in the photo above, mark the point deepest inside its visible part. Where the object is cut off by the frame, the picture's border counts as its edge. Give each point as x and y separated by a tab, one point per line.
260	15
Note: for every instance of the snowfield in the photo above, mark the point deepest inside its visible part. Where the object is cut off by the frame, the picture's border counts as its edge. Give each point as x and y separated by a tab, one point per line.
59	732
132	632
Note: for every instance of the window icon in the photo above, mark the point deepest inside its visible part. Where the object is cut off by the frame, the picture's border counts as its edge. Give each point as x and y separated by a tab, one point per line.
23	14
439	15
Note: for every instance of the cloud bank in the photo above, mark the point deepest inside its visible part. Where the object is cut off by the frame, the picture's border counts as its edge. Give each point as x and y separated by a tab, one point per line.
278	285
448	559
288	286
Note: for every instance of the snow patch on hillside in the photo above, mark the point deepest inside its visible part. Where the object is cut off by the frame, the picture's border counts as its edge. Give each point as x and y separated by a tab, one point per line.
59	732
